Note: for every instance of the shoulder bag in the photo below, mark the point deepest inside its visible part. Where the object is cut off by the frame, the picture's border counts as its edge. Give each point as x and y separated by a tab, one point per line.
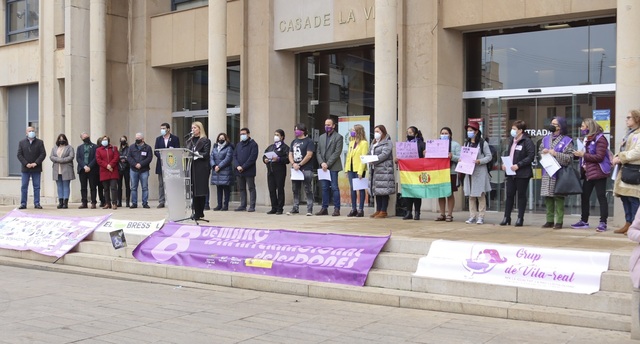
567	182
630	174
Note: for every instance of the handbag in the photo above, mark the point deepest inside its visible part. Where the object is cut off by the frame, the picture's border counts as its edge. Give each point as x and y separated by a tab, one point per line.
630	174
567	182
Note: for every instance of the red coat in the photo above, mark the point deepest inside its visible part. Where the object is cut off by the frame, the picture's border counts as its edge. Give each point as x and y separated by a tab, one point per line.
108	156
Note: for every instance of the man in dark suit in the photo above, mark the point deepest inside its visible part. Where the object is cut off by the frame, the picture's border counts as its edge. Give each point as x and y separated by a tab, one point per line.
329	158
31	154
87	170
244	159
165	140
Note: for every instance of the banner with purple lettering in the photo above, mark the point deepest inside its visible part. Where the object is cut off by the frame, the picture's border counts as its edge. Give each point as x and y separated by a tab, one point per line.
323	257
517	266
45	234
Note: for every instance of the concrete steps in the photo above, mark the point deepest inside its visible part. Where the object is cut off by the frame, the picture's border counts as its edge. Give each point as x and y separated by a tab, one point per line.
390	282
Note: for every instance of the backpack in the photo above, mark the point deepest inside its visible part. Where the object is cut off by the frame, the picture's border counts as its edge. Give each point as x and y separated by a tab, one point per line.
607	164
494	155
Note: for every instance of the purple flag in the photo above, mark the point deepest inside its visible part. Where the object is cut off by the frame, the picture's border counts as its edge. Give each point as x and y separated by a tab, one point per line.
335	258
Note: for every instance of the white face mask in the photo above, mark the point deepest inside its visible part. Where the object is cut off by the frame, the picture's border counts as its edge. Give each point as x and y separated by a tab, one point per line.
444	137
377	135
276	138
514	133
105	143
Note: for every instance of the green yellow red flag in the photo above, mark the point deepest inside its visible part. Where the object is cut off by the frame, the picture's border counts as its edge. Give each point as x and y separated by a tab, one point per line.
425	178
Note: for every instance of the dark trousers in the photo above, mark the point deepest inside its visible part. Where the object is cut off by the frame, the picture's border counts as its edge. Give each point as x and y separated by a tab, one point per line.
127	183
87	178
382	203
198	206
520	186
275	180
245	183
224	192
100	188
413	203
587	188
110	188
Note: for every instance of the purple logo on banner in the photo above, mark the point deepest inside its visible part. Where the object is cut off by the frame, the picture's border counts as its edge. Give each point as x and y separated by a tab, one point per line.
335	258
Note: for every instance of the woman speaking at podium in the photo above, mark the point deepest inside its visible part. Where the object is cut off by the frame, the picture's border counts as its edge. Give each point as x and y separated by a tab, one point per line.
200	145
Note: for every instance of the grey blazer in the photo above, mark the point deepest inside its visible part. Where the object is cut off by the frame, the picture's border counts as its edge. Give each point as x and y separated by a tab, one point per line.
330	153
63	164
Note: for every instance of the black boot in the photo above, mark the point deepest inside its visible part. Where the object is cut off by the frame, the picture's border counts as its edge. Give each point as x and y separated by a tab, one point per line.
519	222
506	221
408	216
65	203
417	216
59	203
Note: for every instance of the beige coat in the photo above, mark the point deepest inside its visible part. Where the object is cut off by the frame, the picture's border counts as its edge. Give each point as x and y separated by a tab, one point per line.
631	155
63	164
634	261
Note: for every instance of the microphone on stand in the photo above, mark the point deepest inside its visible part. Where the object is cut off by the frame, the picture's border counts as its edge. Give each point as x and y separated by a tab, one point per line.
189	135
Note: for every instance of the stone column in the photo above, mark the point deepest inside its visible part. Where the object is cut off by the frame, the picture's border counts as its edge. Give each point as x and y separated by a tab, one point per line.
98	67
217	67
627	90
386	72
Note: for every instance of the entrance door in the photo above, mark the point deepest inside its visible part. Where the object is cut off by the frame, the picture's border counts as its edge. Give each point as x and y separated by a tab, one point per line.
497	115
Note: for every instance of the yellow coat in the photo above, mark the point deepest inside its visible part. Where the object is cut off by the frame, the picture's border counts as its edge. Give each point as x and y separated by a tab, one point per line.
631	155
353	155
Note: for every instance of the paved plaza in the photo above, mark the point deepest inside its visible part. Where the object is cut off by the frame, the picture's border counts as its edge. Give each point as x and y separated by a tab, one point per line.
51	307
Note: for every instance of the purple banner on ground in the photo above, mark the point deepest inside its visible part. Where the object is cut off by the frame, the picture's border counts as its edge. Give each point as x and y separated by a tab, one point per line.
45	234
334	258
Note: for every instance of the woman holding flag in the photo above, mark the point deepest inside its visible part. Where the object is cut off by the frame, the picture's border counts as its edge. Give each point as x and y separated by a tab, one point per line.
414	135
454	156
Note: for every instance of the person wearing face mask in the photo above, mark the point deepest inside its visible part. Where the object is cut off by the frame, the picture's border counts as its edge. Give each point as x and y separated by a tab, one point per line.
87	169
139	158
300	155
383	182
477	184
355	168
221	170
31	154
629	154
595	168
560	146
414	135
123	171
62	156
165	140
329	158
244	159
96	177
449	203
522	152
277	171
108	158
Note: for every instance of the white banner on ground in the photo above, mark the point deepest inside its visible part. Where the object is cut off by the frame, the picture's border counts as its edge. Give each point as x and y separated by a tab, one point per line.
517	266
130	226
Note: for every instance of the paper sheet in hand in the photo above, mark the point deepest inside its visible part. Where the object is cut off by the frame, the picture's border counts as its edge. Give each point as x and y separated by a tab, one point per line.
436	149
270	155
197	155
324	175
296	175
580	145
507	163
549	163
467	162
368	158
614	174
407	150
360	184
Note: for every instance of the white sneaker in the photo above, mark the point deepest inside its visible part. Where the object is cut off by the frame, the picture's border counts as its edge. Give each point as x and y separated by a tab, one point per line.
471	220
309	214
480	221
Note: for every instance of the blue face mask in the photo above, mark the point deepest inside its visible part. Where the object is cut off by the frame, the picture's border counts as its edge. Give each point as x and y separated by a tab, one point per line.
471	134
105	143
243	137
163	132
31	134
444	137
514	133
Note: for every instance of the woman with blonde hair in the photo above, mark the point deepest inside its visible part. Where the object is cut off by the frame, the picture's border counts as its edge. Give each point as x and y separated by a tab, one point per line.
355	168
595	168
200	145
629	155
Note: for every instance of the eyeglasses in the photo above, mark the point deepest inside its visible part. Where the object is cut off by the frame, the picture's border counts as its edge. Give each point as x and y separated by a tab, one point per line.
628	117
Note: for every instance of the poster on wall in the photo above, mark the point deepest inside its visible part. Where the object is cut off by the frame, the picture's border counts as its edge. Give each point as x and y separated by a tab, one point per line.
344	124
603	118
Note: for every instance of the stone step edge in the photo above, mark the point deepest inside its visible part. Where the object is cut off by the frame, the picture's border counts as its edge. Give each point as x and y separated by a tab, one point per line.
369	295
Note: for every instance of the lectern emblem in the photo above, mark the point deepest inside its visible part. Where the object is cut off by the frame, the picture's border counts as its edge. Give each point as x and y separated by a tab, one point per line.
171	160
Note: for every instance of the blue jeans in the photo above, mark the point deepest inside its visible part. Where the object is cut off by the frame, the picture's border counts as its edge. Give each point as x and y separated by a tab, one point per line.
330	188
630	205
63	187
352	176
143	177
35	176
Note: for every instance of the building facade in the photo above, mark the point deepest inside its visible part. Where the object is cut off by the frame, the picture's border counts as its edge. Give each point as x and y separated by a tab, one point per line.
118	67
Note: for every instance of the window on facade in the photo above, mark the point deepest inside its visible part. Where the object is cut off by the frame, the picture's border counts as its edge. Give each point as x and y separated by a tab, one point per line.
178	5
22	20
574	53
22	112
